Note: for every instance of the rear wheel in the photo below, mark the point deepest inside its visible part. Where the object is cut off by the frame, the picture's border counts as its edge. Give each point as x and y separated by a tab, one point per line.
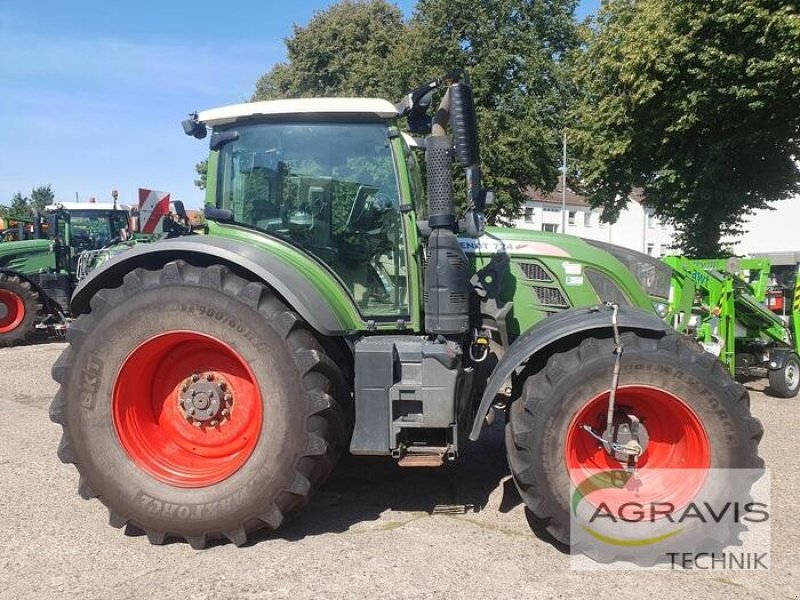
196	405
785	382
692	417
19	307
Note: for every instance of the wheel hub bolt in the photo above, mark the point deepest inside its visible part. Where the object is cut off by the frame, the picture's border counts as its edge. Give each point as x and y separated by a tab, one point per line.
204	400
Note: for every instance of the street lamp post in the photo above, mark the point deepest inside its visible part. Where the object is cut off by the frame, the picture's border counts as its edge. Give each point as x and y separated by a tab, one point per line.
564	185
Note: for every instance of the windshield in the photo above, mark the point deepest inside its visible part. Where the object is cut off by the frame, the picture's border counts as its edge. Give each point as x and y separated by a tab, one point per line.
329	188
93	229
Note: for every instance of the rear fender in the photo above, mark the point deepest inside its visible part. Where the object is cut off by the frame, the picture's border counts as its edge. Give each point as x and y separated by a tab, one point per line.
539	341
247	261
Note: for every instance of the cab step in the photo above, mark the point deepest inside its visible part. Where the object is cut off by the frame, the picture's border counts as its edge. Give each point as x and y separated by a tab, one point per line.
423	456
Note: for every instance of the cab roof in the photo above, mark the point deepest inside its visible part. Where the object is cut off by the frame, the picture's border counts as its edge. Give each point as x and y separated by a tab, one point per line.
376	107
98	206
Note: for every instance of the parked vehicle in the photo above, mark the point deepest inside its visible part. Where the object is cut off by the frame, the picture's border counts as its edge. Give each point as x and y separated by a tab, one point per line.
38	270
211	382
724	304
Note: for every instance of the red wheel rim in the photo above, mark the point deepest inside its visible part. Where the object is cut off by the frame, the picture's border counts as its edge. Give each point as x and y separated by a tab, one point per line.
150	398
12	311
672	468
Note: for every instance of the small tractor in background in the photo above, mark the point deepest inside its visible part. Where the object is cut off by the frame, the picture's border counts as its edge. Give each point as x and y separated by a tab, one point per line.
211	382
723	303
39	269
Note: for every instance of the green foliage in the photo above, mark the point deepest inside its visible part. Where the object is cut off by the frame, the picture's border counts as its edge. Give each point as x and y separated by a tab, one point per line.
20	206
698	102
23	206
42	197
348	49
202	171
514	51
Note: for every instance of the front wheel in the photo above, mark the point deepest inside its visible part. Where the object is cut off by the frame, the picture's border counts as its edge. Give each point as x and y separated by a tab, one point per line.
691	417
785	382
196	405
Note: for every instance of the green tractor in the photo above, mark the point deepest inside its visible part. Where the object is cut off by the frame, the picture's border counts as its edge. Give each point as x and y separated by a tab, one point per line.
338	304
38	272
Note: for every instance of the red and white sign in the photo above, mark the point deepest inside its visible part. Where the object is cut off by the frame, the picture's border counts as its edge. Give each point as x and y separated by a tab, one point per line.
153	206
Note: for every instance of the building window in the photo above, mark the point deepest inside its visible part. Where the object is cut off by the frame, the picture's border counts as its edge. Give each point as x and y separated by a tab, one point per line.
587	219
550	227
650	247
551	209
571	217
528	214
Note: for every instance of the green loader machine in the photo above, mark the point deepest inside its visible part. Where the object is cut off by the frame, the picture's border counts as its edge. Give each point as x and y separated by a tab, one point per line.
339	304
722	303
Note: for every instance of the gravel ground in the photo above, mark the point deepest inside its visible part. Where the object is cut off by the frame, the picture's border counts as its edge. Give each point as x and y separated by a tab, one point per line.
374	531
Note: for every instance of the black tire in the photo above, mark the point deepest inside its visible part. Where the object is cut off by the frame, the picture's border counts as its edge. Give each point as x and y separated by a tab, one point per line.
303	430
20	293
538	423
785	382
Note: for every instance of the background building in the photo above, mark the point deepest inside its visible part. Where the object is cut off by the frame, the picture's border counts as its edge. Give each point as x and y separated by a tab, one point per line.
768	233
637	228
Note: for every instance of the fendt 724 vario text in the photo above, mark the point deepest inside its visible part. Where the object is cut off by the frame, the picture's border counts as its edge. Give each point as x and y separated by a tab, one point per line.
211	382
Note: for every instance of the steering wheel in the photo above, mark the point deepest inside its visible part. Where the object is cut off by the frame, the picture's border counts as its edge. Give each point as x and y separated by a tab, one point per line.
359	204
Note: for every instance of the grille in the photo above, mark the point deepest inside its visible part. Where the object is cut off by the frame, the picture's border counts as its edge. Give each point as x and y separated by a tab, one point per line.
550	296
535	272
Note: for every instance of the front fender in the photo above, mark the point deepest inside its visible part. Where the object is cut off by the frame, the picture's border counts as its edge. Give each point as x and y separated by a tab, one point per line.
297	290
556	327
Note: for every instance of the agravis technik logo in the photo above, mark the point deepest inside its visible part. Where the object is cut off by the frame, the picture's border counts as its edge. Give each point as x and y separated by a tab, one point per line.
645	520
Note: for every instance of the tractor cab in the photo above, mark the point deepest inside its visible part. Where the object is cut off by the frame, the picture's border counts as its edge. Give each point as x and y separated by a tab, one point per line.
325	181
76	228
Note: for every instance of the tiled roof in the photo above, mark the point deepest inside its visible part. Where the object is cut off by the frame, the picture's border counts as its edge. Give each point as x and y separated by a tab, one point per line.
555	197
573	198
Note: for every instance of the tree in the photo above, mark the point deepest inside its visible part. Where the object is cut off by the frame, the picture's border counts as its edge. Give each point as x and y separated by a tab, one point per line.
513	50
42	197
697	102
20	206
202	172
346	50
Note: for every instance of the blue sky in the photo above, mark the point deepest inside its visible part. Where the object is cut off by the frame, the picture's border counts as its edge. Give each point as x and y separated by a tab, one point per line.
92	92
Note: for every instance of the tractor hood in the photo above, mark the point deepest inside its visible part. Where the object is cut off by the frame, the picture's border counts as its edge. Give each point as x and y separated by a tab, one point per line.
27	257
649	272
24	246
542	273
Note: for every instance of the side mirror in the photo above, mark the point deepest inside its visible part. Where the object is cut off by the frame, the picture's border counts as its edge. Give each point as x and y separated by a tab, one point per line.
464	124
193	127
419	121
